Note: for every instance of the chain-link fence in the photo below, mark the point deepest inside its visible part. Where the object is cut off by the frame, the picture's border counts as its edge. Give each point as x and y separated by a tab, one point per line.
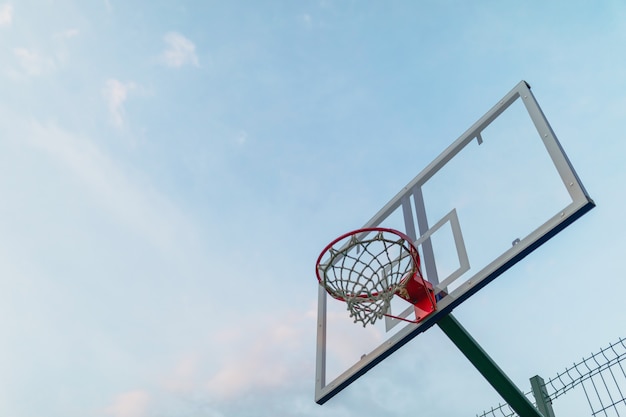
601	376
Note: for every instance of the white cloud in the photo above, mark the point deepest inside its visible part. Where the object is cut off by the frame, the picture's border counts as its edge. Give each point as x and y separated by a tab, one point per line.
180	51
183	377
129	404
306	20
32	62
6	14
271	355
241	138
69	33
133	203
115	93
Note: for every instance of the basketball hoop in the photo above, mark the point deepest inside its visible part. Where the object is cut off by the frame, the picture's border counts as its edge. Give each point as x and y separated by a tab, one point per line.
365	268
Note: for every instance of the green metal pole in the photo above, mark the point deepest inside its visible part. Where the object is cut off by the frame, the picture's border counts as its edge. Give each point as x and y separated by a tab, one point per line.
487	367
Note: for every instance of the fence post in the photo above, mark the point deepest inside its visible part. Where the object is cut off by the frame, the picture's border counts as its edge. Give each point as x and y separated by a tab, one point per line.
544	403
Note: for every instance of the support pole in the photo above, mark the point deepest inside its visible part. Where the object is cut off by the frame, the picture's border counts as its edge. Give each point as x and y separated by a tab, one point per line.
487	367
544	403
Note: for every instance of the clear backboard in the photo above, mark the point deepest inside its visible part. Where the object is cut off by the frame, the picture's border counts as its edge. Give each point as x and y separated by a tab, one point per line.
494	195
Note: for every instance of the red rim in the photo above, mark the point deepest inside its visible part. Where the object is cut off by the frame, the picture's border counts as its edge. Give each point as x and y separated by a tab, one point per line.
412	250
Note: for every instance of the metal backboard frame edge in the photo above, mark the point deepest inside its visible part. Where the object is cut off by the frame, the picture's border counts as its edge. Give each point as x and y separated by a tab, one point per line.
581	204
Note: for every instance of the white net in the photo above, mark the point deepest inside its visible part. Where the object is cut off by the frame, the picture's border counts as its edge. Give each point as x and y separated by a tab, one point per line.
366	269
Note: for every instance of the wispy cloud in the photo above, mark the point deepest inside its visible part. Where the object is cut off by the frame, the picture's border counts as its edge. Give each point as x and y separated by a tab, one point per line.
183	377
306	20
269	359
32	62
40	60
6	14
179	51
133	203
129	404
115	94
241	138
68	33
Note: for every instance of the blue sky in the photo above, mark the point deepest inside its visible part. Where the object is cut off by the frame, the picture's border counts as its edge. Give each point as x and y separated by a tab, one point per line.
171	170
